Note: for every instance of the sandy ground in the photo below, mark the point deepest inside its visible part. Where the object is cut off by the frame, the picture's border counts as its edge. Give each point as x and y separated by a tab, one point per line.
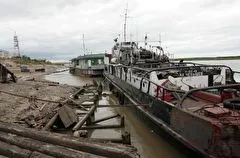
15	68
28	110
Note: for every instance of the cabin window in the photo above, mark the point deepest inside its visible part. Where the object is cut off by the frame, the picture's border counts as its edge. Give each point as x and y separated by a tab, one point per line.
76	63
100	61
94	61
89	63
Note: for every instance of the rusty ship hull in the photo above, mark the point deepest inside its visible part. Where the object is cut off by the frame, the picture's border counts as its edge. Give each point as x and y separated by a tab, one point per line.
204	136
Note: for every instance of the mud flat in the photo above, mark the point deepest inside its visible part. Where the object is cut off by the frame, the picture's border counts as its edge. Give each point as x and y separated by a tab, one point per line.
51	120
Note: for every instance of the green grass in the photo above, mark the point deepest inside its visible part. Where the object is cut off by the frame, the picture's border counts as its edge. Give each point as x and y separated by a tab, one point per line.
25	60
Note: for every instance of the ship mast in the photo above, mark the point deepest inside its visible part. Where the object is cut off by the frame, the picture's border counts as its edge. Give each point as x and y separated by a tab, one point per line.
16	44
125	24
160	44
84	49
160	40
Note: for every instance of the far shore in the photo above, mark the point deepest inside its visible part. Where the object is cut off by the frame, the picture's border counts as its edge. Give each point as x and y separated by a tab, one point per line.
15	68
210	58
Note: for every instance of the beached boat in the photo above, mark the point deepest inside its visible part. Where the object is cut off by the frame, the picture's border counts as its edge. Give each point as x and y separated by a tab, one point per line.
89	65
195	105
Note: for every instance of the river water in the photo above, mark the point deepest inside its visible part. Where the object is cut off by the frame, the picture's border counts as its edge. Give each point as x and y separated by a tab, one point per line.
234	64
149	144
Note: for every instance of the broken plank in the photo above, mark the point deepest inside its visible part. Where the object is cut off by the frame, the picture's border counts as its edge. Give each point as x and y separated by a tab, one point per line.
75	95
105	118
67	116
75	103
101	127
84	119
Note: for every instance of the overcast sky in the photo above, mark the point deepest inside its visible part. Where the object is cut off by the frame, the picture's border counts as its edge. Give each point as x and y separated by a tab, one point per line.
53	29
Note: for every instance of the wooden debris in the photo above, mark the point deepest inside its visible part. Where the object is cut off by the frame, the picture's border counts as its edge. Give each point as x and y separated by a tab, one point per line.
36	154
126	138
67	116
51	122
43	147
58	114
105	118
75	95
13	151
122	121
4	74
43	106
78	105
84	119
96	148
101	127
81	133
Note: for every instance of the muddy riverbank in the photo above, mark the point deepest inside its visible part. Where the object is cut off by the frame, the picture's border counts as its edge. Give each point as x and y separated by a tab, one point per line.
42	105
149	144
18	101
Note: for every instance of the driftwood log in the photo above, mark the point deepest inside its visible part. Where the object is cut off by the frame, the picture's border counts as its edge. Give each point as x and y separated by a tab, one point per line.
15	151
50	122
80	144
42	147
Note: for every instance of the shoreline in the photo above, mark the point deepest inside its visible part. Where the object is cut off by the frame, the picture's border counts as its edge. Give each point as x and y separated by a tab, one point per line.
207	58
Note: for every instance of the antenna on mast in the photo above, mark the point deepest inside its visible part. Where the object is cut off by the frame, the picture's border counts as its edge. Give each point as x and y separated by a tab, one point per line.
84	50
160	39
145	40
16	44
125	23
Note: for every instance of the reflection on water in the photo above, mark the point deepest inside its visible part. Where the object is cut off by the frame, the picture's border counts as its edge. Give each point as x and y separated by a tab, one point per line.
149	144
104	112
67	78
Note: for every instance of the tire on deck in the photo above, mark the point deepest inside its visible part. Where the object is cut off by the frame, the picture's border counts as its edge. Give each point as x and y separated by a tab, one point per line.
232	103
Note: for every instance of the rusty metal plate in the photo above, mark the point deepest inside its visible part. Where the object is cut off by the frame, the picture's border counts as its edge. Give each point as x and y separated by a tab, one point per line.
216	112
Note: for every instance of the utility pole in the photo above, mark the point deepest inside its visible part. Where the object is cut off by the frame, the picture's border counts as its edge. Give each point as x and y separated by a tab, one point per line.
160	44
16	45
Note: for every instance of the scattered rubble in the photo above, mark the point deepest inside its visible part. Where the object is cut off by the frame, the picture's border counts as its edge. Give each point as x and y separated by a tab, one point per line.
36	104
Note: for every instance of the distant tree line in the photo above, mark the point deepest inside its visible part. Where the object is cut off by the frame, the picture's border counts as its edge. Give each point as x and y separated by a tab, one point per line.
27	60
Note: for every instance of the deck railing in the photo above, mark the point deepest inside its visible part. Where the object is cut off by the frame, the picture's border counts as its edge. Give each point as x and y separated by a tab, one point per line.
176	66
219	88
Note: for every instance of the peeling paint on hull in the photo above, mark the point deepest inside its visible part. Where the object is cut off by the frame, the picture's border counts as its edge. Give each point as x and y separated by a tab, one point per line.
201	136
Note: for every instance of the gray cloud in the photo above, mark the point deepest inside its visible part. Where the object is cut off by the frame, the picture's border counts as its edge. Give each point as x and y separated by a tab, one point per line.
53	29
